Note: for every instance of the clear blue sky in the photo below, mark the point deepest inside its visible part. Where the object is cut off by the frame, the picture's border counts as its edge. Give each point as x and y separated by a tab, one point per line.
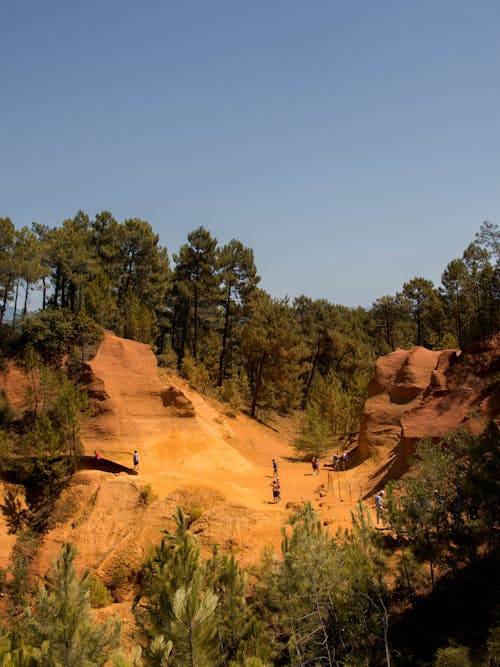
353	145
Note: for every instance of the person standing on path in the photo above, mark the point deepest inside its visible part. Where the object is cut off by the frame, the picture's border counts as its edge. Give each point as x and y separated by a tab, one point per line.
275	468
276	491
379	506
136	459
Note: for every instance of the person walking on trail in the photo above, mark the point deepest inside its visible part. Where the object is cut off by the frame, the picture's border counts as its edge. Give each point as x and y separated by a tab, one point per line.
316	466
344	461
335	461
313	465
379	505
276	491
136	459
275	468
97	456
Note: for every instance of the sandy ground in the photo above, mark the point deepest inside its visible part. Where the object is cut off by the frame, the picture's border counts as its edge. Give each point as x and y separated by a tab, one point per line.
214	464
214	459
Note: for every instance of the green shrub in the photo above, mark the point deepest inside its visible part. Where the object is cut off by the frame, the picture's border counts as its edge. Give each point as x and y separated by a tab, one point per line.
147	495
167	359
100	596
194	513
195	373
235	392
453	656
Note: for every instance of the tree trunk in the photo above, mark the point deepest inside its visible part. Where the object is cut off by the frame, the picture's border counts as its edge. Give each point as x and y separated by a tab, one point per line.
25	306
258	383
310	378
195	327
224	340
15	302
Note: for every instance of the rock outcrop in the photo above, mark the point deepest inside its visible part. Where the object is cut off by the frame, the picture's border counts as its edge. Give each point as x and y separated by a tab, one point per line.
417	393
129	402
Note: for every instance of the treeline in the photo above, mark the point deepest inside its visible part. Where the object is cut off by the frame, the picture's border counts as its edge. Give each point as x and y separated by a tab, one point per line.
423	592
204	313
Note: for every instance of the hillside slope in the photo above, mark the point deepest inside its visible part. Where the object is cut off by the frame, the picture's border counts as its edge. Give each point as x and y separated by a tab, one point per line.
195	454
192	454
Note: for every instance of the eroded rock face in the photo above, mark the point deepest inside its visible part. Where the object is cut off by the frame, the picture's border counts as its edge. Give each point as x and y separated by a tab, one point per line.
419	392
129	402
174	398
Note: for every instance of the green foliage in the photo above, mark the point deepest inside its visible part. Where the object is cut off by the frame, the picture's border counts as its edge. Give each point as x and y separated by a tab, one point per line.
493	645
235	392
100	595
56	333
6	413
195	373
61	619
23	656
19	580
270	341
195	292
233	615
159	651
147	495
118	659
15	513
120	577
326	601
167	359
447	507
180	605
453	656
40	450
239	279
330	411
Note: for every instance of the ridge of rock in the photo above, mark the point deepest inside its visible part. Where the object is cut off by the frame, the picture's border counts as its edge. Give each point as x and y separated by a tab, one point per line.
421	393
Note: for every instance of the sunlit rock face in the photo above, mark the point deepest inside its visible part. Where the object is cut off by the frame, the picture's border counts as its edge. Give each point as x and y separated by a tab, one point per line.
417	393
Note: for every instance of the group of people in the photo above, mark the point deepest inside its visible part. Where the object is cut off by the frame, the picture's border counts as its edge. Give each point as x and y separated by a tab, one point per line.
276	484
339	461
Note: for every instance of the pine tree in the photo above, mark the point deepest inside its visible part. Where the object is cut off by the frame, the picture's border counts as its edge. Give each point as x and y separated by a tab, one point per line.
232	612
239	278
274	352
180	605
195	292
419	293
7	264
61	619
192	627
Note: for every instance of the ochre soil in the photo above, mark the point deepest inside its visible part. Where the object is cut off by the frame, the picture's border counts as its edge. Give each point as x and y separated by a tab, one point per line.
214	464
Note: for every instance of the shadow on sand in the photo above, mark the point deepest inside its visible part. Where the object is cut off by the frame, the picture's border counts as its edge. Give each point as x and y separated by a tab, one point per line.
91	463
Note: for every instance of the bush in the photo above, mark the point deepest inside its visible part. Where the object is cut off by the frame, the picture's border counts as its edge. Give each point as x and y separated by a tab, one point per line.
147	495
167	359
194	513
235	392
100	596
196	374
453	656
